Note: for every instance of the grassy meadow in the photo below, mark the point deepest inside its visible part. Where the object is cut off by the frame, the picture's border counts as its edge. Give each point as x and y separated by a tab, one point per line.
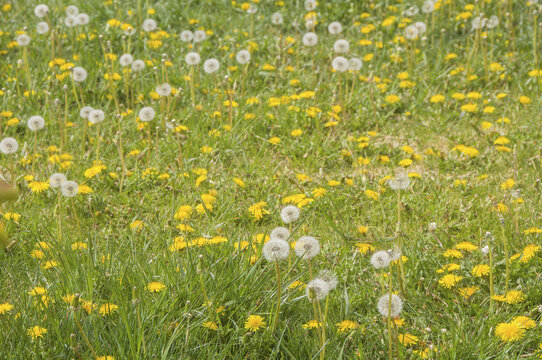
270	179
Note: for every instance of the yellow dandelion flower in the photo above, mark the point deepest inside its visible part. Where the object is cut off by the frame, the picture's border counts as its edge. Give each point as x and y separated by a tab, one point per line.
254	323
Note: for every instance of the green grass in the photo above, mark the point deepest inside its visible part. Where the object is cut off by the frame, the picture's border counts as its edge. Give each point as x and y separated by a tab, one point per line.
119	262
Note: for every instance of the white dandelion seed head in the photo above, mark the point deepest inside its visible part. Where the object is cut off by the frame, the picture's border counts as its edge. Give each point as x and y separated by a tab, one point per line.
96	116
411	32
329	277
310	24
276	18
146	114
192	58
280	233
399	182
380	259
432	226
186	36
163	89
199	36
386	307
36	123
79	74
307	247
485	250
339	64
69	188
211	66
56	180
411	11
9	145
355	64
420	26
126	60
492	22
243	57
395	254
72	10
276	249
478	23
316	290
70	21
83	19
149	25
341	46
289	214
310	39
428	7
252	9
335	28
23	40
42	28
310	5
138	65
85	111
41	10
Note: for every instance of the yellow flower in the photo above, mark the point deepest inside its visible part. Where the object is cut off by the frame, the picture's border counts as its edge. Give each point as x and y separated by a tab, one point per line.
405	163
347	326
529	252
524	322
274	140
108	309
313	324
450	280
211	325
5	307
155	286
371	194
480	270
36	332
365	248
453	253
467	292
392	99
38	186
509	332
183	212
93	171
257	210
407	339
296	132
467	246
254	323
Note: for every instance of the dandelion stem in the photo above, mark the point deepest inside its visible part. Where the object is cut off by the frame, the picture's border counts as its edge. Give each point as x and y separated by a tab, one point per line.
390	343
276	319
505	243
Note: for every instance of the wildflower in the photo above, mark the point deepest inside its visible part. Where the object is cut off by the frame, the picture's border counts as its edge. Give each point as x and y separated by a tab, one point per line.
69	188
290	214
480	270
450	280
211	66
467	292
146	114
38	186
380	259
108	309
243	57
408	339
276	249
155	286
365	248
9	145
393	308
310	39
316	290
281	233
36	332
36	123
149	25
5	307
41	10
347	326
329	278
254	323
312	324
211	325
307	247
509	332
79	74
96	116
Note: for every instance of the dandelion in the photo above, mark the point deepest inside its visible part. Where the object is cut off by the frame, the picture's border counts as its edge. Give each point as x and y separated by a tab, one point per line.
310	5
330	278
509	332
82	19
347	326
310	39
307	247
341	46
5	307
428	7
290	214
411	32
335	28
108	309
163	89
281	233
192	58
354	64
339	64
380	259
138	65
186	35
96	116
42	28
276	18
23	40
243	57
41	10
126	60
79	74
211	66
9	145
254	323
146	114
56	180
388	308
149	25
316	290
155	286
36	332
199	36
69	188
276	249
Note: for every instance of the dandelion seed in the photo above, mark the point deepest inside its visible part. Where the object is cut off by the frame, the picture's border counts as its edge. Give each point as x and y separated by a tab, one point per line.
335	28
96	116
70	21
380	259
23	40
384	307
281	233
138	65
146	114
79	74
243	57
69	188
354	64
35	123
42	28
149	25
126	60
276	249
186	36
411	32
56	180
310	39
211	66
276	18
316	290
329	278
41	10
310	5
192	58
9	145
82	19
163	89
307	247
341	46
199	36
340	64
289	214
